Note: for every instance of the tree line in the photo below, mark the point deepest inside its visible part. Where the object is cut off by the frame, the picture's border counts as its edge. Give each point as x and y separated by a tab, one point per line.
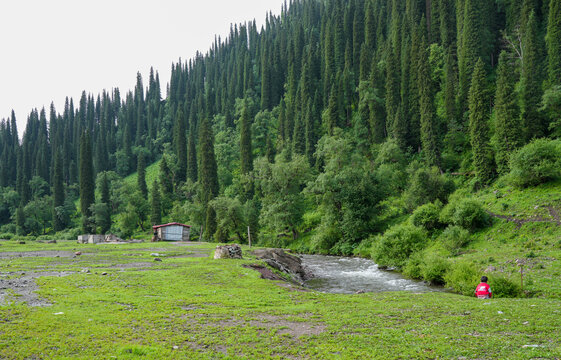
311	124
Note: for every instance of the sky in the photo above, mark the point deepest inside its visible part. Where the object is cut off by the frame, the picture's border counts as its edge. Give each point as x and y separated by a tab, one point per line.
58	48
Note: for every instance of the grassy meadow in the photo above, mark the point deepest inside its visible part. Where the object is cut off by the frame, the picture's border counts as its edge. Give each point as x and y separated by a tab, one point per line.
116	301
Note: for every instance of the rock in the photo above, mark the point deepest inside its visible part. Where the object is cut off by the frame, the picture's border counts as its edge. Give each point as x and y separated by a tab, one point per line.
157	259
280	260
228	252
85	271
490	269
155	254
51	242
21	242
175	347
104	273
78	253
359	292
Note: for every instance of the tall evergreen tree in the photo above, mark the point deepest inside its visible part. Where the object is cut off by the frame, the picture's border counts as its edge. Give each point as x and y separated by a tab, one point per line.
87	183
554	42
104	217
141	175
478	126
508	130
58	193
428	122
208	175
531	79
192	154
180	146
156	205
246	154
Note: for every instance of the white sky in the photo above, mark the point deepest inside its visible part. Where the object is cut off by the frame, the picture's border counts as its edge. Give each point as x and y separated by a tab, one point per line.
57	48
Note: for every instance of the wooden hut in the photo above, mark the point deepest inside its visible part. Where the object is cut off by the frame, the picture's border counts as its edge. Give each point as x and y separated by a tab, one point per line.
171	232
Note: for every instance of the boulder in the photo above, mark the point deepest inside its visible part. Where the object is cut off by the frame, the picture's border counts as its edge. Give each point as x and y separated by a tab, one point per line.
228	252
280	260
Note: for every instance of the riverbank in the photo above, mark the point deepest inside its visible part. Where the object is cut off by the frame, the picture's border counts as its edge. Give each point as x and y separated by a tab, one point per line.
116	301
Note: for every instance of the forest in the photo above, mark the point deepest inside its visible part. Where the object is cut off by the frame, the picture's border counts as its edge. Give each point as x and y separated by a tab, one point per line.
338	127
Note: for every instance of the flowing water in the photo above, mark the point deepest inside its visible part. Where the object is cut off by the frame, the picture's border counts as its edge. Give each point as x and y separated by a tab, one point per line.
345	275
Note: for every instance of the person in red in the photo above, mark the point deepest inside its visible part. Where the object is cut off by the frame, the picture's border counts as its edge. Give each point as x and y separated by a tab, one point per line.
483	290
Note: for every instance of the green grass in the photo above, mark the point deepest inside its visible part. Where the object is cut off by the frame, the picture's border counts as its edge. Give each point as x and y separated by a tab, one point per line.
152	173
200	308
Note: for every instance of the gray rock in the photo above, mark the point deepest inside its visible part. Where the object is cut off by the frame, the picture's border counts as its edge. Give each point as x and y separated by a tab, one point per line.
280	260
228	252
157	259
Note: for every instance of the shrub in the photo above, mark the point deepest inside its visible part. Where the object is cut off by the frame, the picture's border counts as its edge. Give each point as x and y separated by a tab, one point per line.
467	213
364	249
504	287
433	269
427	185
394	247
536	163
462	277
325	237
454	238
427	216
6	236
412	268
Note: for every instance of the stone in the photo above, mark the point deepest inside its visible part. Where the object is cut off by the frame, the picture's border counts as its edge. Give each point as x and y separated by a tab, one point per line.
228	252
104	273
282	261
78	253
21	242
157	259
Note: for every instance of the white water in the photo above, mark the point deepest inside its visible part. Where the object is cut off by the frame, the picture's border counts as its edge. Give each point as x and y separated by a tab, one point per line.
348	275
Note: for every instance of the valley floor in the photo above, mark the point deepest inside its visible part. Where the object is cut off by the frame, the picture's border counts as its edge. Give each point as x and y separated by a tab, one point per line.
116	301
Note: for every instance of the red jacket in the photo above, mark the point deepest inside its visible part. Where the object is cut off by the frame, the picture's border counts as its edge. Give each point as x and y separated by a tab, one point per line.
483	291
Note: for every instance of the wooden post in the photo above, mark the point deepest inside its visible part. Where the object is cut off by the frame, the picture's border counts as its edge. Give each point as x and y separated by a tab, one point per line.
522	277
249	236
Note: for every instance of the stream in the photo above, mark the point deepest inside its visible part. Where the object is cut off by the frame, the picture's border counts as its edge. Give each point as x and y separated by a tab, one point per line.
344	275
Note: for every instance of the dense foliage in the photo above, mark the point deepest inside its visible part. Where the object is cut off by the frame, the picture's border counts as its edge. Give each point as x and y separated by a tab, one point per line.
323	129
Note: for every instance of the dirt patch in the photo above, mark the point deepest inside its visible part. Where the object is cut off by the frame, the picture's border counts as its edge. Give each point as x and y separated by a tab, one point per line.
190	255
554	218
22	289
132	265
266	273
43	253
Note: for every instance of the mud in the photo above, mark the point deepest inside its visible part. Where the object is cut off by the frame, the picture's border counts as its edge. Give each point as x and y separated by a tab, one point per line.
43	253
23	288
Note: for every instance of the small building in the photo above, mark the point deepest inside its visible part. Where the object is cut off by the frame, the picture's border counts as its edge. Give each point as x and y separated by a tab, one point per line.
171	232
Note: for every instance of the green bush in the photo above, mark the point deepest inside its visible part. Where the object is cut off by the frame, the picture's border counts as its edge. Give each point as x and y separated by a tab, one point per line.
6	236
323	240
412	268
427	185
454	238
427	216
536	163
394	247
364	249
504	287
462	277
467	213
433	268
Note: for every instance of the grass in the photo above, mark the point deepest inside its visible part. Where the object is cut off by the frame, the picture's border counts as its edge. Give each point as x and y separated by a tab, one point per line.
200	308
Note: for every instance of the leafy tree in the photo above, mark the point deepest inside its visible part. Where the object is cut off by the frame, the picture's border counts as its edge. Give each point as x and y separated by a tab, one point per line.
230	218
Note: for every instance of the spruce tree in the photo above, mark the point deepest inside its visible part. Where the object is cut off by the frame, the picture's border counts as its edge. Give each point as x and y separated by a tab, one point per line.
392	91
531	79
428	122
192	154
156	204
87	184
141	175
180	146
246	154
553	39
478	127
165	178
208	176
105	221
58	193
508	130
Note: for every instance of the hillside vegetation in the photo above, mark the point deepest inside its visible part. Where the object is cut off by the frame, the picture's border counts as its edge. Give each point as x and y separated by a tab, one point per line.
423	134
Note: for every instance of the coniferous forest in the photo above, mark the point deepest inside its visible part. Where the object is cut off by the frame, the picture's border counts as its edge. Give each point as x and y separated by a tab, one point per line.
338	127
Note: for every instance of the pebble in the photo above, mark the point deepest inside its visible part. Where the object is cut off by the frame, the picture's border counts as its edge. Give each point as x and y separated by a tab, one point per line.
175	347
78	253
500	312
104	273
157	259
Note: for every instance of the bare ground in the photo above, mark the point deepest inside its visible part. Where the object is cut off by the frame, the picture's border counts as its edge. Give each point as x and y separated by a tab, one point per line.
22	288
